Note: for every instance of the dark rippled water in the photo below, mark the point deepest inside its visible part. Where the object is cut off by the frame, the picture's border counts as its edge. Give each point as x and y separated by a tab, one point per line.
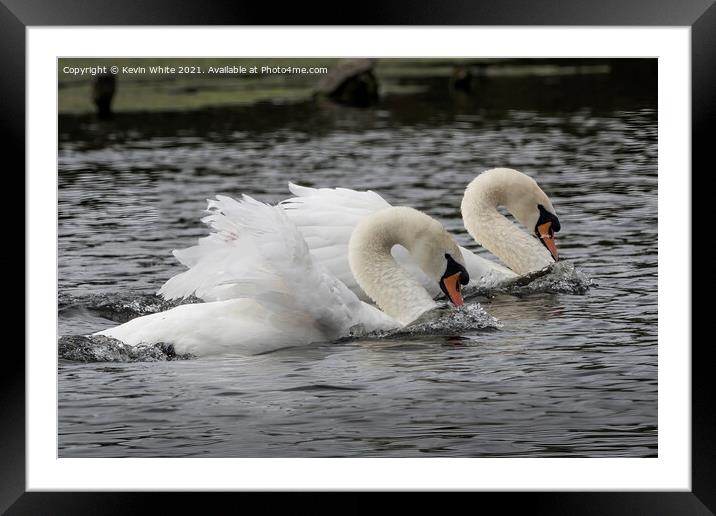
565	375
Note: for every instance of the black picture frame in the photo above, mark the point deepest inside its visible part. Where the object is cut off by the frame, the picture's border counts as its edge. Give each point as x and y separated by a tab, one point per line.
700	15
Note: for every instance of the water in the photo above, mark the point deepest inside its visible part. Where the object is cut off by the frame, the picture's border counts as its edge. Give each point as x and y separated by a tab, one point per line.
564	373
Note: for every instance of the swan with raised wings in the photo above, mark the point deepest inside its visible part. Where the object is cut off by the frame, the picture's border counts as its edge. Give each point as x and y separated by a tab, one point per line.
264	290
326	217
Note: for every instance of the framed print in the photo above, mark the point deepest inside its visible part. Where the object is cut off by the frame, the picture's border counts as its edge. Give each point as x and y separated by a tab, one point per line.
337	197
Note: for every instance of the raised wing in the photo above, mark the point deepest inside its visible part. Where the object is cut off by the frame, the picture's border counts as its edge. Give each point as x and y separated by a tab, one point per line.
326	218
255	251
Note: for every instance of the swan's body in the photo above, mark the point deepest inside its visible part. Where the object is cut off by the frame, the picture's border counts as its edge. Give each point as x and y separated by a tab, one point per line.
264	290
326	218
230	326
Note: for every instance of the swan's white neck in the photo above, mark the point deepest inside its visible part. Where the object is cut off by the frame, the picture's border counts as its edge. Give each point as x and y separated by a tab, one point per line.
376	271
518	193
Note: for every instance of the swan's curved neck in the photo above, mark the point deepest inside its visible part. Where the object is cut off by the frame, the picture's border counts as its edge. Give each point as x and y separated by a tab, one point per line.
518	250
376	271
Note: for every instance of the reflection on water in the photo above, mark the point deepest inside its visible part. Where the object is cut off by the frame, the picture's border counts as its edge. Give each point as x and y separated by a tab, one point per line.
565	375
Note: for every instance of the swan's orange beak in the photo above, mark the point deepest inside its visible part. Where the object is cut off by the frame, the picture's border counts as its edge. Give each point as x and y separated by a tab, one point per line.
546	235
451	287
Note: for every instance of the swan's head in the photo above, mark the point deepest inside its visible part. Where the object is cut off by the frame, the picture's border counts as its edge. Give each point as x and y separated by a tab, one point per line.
546	226
535	211
439	256
452	280
522	197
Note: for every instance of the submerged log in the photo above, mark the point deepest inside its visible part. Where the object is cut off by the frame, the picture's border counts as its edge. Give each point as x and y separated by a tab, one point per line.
466	77
351	82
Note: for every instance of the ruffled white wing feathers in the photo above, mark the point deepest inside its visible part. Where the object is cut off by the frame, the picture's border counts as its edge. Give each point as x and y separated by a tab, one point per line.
255	251
326	218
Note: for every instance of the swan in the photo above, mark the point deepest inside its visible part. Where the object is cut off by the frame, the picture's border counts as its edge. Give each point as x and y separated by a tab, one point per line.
264	290
525	200
326	217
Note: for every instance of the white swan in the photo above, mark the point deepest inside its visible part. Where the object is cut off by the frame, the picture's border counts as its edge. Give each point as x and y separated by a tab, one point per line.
264	290
327	216
526	201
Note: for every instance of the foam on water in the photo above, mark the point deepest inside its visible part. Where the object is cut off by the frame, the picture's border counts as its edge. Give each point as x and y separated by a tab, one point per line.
447	319
120	307
559	278
98	348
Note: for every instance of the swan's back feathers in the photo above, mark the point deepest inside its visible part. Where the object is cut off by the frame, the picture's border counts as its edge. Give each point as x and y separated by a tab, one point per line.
256	252
326	218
